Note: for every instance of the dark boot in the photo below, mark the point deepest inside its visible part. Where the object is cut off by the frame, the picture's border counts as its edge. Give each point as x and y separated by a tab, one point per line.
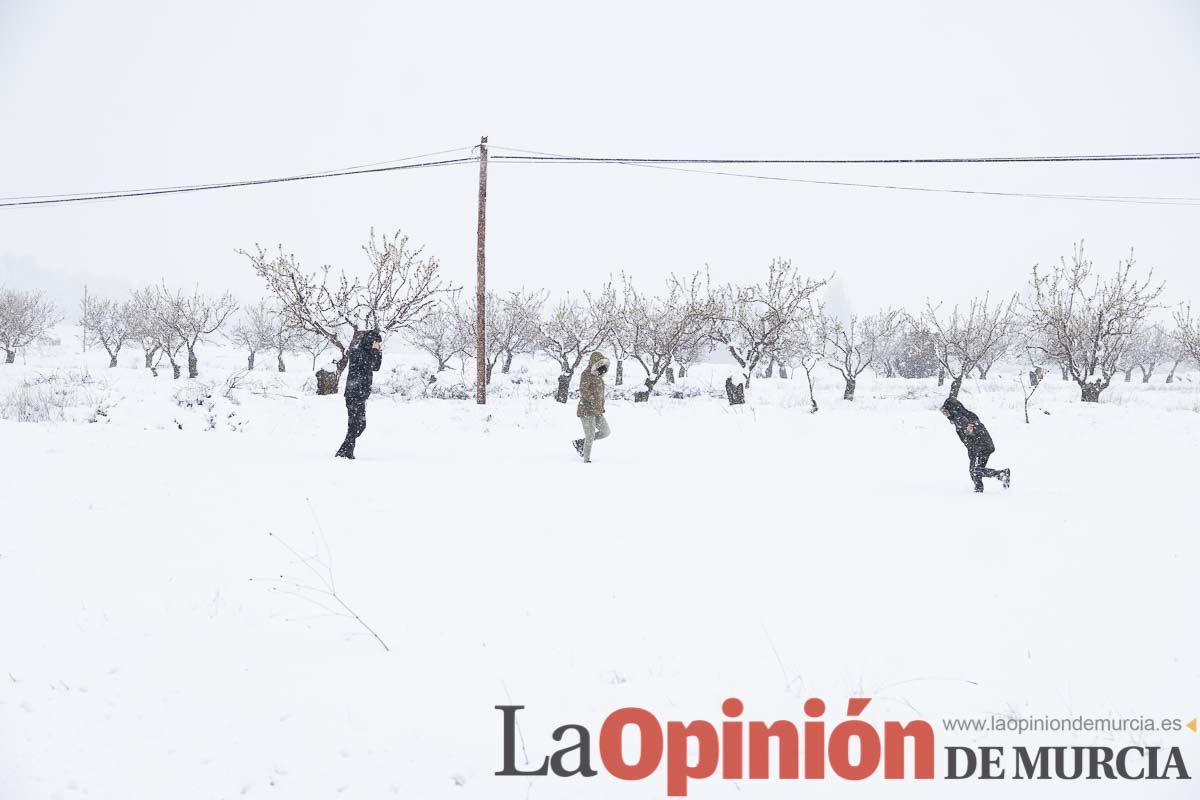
1006	477
578	447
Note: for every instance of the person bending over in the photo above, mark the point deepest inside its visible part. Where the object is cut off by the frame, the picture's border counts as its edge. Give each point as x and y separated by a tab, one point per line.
978	442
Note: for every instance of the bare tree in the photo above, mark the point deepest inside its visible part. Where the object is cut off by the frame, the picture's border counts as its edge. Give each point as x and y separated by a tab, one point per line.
859	343
654	330
806	345
753	318
284	336
191	318
255	331
143	324
1186	337
108	321
442	333
1087	323
574	328
690	354
24	318
1150	346
517	324
913	353
311	344
995	354
511	325
400	290
963	340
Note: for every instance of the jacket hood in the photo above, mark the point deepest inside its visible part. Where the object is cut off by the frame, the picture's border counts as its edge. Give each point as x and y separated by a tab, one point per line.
368	338
597	360
955	410
953	406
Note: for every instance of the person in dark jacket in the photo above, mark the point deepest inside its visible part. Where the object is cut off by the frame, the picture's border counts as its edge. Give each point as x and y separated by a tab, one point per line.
364	356
978	441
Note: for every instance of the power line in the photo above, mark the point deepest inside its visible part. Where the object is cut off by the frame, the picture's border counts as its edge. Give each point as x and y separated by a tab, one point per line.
1194	156
305	175
551	158
691	165
83	198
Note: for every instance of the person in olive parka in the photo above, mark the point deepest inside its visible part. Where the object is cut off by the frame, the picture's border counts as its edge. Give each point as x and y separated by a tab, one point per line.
972	433
591	406
365	356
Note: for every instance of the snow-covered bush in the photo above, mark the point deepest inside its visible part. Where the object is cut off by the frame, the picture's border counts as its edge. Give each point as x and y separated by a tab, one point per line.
208	406
70	395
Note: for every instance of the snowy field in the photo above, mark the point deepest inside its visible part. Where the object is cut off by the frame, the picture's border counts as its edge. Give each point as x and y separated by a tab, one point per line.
763	552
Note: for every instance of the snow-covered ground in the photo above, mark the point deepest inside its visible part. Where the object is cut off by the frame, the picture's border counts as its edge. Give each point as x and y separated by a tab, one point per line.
761	552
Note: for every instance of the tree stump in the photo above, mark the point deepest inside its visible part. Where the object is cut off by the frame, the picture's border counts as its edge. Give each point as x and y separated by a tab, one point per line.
735	392
327	381
564	388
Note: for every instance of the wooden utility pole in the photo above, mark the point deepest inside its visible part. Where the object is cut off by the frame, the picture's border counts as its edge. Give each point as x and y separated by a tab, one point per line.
481	282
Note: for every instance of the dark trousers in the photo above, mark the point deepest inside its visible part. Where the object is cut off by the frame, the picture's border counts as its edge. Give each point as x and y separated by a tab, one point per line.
979	468
356	423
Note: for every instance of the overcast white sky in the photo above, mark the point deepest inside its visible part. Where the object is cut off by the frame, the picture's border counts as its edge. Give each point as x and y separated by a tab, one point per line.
115	95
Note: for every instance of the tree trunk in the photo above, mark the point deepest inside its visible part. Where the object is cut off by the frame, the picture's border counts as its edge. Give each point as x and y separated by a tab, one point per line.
1090	392
783	373
507	365
1171	374
1129	375
983	371
488	372
670	375
564	388
249	362
175	369
619	375
150	358
941	377
279	362
682	371
955	385
10	356
112	360
1066	373
770	369
848	394
1146	373
193	364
